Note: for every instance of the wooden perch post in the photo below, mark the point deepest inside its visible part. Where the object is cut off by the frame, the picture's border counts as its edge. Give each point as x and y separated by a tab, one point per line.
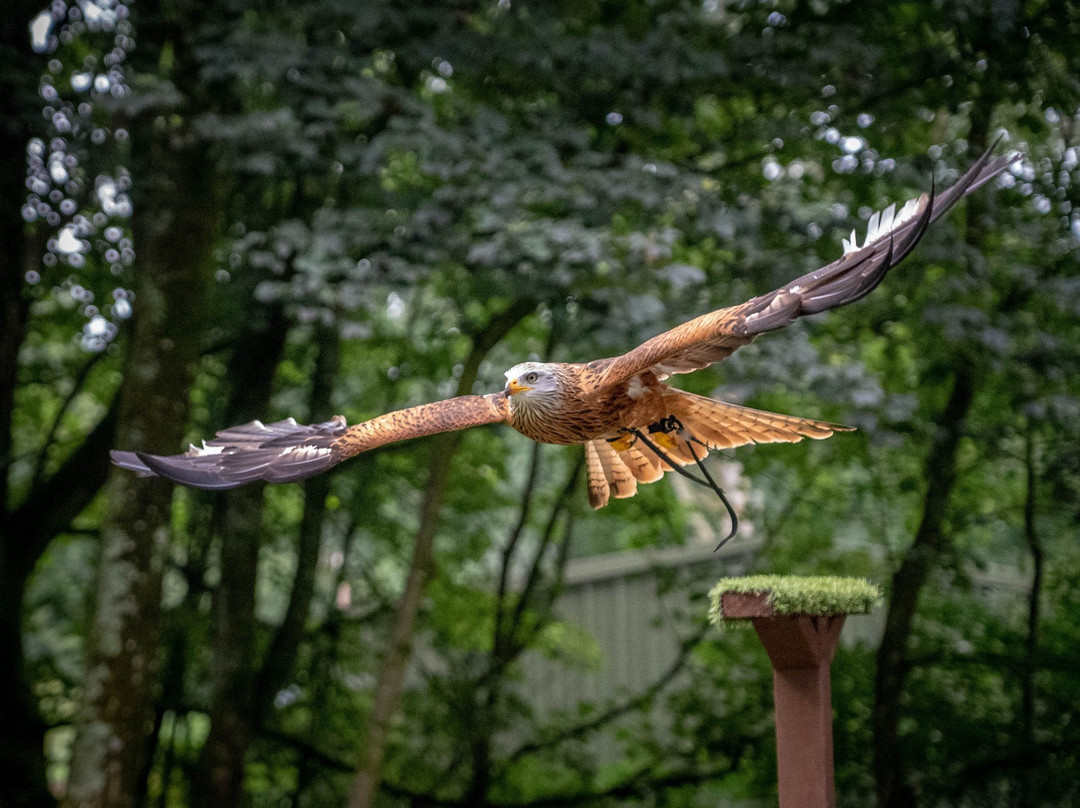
798	620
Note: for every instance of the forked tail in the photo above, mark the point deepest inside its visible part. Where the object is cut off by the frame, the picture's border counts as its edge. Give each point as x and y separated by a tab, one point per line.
617	466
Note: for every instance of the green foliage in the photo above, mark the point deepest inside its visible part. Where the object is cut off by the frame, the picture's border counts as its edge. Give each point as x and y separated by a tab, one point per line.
401	174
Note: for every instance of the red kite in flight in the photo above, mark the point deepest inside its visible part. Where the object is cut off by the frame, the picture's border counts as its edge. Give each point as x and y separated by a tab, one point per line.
605	404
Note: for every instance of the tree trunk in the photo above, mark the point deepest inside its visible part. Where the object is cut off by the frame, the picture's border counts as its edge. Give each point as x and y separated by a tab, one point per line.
930	540
1022	796
22	759
220	776
907	583
174	228
280	657
391	678
47	510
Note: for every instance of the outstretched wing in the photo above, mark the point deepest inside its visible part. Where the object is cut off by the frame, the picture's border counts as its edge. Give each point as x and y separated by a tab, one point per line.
712	337
285	451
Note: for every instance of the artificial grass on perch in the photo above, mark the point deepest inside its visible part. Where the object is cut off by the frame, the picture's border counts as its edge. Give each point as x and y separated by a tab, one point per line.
798	620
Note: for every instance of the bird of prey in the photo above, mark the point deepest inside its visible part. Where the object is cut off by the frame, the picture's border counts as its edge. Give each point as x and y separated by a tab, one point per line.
634	426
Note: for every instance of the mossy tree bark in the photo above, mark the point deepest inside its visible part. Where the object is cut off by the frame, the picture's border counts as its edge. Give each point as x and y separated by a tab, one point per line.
174	227
22	762
27	526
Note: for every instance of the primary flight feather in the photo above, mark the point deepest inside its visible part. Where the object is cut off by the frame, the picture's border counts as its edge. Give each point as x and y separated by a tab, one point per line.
604	404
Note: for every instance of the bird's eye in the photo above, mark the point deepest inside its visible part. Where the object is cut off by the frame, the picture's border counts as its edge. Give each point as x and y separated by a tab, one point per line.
531	377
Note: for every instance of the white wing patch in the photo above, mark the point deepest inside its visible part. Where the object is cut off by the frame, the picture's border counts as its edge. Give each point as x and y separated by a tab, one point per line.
882	223
305	452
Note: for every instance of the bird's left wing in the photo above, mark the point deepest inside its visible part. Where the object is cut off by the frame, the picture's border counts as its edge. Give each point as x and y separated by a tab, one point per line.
712	337
285	451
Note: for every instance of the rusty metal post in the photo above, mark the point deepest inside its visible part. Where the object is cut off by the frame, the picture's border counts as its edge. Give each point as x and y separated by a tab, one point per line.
800	647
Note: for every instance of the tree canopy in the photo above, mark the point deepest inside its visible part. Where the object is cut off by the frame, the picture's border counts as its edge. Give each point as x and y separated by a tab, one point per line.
214	212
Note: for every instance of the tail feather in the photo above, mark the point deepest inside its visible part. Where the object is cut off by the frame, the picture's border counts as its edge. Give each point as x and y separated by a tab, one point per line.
717	424
598	484
644	464
609	475
620	480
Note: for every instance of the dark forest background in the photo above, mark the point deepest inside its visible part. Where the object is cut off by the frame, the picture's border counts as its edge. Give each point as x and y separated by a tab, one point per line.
217	211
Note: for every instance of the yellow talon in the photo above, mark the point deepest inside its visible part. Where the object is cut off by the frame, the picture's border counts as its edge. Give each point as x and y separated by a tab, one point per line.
665	441
622	443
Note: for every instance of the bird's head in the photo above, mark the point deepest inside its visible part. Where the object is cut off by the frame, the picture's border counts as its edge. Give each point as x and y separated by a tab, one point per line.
531	382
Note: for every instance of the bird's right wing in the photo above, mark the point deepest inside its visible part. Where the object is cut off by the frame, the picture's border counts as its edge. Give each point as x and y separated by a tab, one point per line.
712	337
285	451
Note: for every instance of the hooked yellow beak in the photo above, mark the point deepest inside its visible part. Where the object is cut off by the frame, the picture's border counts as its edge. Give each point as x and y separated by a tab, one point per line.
513	387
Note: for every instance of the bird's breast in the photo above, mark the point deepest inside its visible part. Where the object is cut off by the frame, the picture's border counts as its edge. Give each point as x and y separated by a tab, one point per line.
588	415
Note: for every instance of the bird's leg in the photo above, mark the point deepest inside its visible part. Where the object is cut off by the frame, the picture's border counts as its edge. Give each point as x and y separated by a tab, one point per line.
690	441
662	434
662	429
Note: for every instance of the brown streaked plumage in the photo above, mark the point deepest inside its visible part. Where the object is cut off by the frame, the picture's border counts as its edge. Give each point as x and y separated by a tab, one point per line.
600	404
